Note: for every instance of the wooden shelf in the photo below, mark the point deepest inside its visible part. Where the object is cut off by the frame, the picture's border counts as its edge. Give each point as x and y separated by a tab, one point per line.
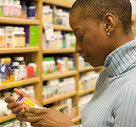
4	20
6	118
61	3
59	107
59	97
85	92
88	68
19	83
59	75
55	51
19	50
76	119
133	17
62	28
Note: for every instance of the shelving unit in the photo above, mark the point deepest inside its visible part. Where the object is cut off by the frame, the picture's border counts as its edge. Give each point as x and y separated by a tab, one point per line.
85	92
38	53
57	51
76	119
60	3
19	50
88	68
59	97
4	20
62	28
6	118
59	75
19	83
59	107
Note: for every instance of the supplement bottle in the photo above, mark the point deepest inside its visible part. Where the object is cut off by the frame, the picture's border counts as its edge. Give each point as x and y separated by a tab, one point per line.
32	63
24	10
22	37
11	6
16	71
22	67
31	10
6	8
2	38
16	37
17	9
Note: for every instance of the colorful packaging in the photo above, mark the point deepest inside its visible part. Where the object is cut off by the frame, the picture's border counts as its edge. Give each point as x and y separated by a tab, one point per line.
32	36
28	104
5	69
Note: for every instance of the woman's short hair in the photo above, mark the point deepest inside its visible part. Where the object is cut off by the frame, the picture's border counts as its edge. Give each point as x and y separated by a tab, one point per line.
96	9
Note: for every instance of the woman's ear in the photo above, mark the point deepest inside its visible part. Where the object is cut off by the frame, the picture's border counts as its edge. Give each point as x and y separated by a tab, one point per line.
109	23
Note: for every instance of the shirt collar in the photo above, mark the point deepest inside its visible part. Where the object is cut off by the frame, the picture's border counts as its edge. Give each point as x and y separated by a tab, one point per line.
120	59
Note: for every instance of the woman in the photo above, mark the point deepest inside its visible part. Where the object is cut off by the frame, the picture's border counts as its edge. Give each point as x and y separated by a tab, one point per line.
104	38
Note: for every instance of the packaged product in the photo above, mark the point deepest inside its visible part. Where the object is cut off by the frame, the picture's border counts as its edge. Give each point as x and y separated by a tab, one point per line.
28	104
5	64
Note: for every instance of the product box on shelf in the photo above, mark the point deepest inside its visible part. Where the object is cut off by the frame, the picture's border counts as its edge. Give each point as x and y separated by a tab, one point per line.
32	36
5	69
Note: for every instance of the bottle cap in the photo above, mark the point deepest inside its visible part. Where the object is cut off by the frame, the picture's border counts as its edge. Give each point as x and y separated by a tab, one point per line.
19	59
15	63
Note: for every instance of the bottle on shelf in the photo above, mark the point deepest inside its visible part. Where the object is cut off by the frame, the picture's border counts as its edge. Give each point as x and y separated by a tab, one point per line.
22	67
1	4
6	8
32	63
2	38
11	8
17	71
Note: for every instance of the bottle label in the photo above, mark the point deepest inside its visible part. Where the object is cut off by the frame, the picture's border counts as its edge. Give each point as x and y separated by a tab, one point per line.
22	71
9	40
22	40
17	73
17	40
2	42
11	11
6	11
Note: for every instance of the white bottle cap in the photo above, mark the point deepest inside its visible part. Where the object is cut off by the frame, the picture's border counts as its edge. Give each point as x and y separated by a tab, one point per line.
1	2
17	2
19	58
11	2
29	87
5	2
15	63
2	30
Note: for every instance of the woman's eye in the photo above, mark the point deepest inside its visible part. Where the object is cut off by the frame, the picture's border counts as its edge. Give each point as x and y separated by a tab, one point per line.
80	37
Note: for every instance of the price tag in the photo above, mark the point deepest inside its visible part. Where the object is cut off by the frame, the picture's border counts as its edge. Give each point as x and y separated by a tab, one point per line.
14	84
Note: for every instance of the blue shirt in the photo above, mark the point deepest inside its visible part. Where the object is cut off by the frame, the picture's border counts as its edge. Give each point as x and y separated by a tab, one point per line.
114	100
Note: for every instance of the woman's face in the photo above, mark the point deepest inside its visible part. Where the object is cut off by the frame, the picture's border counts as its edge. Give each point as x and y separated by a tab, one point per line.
92	41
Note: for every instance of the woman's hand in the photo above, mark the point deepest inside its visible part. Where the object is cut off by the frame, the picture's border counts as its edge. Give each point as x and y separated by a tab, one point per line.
48	118
17	107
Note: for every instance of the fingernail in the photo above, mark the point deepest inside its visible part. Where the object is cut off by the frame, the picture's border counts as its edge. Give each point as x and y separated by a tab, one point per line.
23	106
19	102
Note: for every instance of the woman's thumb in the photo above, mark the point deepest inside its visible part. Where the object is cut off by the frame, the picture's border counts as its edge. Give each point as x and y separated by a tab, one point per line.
20	92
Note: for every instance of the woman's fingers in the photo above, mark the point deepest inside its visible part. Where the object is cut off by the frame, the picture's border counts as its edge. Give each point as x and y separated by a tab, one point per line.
9	99
18	109
34	119
14	104
35	110
21	93
21	113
